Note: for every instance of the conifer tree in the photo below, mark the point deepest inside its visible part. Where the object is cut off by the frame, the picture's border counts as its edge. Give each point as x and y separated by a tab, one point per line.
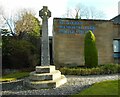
90	50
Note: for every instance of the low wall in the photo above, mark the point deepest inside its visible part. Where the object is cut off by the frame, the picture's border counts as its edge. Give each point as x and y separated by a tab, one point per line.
10	85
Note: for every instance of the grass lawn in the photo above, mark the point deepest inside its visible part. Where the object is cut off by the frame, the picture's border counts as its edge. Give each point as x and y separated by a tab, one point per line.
14	76
102	88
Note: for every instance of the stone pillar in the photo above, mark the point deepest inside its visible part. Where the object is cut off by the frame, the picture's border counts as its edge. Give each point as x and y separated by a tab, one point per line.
45	56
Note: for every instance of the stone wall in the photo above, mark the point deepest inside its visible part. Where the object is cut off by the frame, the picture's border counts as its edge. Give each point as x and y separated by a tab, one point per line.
104	41
68	48
116	32
11	85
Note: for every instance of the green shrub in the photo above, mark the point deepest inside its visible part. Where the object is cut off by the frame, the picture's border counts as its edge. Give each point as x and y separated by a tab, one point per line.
18	53
118	68
95	71
100	70
90	50
109	68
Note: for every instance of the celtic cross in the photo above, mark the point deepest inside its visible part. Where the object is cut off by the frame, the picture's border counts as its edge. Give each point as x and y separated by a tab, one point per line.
45	56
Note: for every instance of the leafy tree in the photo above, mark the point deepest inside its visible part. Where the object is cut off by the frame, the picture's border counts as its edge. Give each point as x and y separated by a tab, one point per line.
5	32
27	23
90	50
22	50
20	23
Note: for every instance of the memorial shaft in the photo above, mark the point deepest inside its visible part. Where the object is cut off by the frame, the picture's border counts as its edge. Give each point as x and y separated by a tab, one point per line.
45	76
45	56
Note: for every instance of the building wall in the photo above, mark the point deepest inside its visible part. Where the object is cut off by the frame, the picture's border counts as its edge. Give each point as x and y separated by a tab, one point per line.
116	31
68	48
104	40
117	37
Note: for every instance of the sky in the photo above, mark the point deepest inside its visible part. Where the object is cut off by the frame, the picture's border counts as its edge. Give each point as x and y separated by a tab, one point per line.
58	7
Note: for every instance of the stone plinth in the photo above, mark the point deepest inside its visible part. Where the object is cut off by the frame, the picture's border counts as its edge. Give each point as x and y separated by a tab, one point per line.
45	69
45	77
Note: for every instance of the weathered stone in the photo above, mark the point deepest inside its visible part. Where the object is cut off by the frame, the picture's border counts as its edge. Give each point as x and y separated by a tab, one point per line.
45	76
48	84
45	69
45	57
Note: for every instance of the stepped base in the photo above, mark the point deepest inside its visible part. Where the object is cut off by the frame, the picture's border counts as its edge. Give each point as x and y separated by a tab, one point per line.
45	69
48	84
45	77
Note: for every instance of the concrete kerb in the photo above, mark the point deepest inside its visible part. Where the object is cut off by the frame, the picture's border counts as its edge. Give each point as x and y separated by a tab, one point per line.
10	85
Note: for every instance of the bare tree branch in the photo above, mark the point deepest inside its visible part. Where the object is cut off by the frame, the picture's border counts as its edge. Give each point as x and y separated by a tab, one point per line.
9	25
82	11
5	20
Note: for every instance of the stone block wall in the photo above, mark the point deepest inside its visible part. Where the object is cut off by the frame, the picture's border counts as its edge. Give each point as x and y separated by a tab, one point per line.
116	32
68	48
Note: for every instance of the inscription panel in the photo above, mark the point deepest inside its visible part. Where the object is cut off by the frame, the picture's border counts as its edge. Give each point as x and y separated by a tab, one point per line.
72	26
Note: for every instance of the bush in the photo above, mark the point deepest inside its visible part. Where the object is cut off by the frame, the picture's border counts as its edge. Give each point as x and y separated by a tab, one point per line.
118	68
19	53
90	50
100	70
109	68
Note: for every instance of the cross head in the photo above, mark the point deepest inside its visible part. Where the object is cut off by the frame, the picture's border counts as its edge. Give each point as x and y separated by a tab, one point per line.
44	13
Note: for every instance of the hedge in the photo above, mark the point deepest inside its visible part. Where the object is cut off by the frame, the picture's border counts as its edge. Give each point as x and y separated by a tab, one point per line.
100	70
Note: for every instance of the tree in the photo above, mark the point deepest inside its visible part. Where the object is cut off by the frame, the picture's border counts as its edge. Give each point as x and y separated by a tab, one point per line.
18	53
1	13
77	13
27	23
90	50
86	12
5	32
23	21
6	21
95	13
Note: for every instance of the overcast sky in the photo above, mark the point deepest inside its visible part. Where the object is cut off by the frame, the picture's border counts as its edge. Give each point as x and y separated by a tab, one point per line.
59	7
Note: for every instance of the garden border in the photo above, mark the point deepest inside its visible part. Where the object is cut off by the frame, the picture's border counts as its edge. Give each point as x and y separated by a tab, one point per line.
10	85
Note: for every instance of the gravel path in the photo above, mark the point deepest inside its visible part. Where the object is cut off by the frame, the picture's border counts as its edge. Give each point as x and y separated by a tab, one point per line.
74	85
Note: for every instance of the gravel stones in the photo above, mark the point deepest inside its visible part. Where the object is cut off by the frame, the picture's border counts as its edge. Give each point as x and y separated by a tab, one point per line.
74	85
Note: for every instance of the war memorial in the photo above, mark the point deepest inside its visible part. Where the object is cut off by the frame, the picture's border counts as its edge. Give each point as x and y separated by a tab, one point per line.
68	51
46	75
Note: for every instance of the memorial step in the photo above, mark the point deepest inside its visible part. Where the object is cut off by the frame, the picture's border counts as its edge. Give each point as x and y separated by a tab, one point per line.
45	76
45	69
48	84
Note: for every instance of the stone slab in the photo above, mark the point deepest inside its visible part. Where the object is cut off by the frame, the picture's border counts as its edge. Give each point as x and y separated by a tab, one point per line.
45	69
48	84
45	76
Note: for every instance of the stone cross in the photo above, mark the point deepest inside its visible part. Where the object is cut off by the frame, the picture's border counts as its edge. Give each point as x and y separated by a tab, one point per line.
45	56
